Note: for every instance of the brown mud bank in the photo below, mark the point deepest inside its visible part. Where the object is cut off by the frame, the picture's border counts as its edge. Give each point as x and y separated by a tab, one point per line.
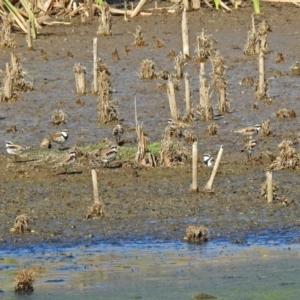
149	203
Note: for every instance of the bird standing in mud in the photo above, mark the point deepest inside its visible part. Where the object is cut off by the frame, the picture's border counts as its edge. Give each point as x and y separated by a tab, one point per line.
13	149
250	131
108	155
250	147
118	132
60	137
208	160
71	158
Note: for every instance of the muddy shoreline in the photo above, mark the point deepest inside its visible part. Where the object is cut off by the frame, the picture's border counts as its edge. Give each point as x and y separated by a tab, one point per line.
148	203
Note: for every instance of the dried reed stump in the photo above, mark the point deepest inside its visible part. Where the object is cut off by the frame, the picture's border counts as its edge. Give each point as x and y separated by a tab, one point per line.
24	281
196	234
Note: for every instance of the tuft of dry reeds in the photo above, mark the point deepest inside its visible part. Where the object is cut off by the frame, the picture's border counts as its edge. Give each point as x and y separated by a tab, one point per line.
18	75
21	224
285	114
288	157
178	66
213	129
6	35
204	47
104	20
46	143
171	53
257	38
295	69
196	234
219	82
80	80
266	128
107	110
147	69
173	152
159	44
96	211
279	57
59	117
139	39
24	281
115	55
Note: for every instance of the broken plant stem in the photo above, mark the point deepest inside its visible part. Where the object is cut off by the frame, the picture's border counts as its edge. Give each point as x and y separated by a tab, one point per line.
95	187
269	186
95	65
195	167
210	182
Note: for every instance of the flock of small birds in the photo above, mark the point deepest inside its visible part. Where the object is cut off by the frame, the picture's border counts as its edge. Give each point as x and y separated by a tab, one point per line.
107	155
247	132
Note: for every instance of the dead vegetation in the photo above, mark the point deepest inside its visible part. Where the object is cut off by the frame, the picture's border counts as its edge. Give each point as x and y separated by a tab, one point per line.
173	152
288	157
80	80
115	55
6	35
178	66
257	38
107	109
147	69
285	114
295	69
96	211
139	38
24	281
279	57
21	224
59	117
204	47
266	128
219	82
196	234
159	44
212	129
105	20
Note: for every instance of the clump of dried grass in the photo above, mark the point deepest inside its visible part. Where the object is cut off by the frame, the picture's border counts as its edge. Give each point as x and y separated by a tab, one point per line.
189	136
295	69
159	44
204	47
266	128
288	157
171	53
96	211
24	281
196	234
6	35
213	129
173	151
59	117
285	114
21	224
178	66
105	20
115	56
107	109
279	57
139	39
147	70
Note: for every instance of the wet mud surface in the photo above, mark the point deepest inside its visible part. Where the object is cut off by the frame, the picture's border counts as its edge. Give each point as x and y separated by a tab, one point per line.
148	203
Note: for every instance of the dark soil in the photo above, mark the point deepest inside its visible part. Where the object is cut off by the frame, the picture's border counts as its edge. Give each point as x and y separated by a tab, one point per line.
148	203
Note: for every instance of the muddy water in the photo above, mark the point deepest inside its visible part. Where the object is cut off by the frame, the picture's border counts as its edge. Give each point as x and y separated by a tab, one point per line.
152	271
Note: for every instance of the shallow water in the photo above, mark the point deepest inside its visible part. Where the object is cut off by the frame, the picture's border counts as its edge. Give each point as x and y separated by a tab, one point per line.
157	270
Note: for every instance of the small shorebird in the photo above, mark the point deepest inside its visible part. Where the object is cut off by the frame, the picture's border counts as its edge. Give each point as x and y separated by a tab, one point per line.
13	149
250	147
250	131
118	132
70	159
177	124
208	160
108	155
60	137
